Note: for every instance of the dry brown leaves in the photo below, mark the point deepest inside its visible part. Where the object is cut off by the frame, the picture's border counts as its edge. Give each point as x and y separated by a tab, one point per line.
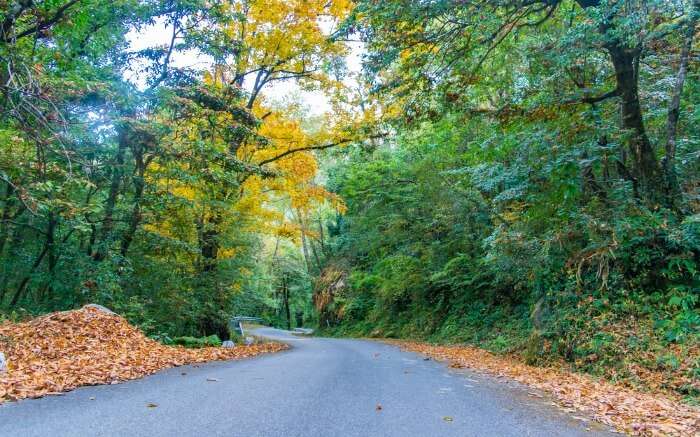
625	409
62	351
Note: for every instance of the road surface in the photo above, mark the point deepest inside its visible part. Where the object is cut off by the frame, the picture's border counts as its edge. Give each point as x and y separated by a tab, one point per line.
320	387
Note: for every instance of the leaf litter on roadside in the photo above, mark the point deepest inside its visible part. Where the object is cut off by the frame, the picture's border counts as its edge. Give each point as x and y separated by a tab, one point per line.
61	351
623	408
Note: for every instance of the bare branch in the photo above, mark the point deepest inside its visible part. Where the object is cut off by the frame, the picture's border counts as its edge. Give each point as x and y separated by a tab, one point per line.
594	99
315	147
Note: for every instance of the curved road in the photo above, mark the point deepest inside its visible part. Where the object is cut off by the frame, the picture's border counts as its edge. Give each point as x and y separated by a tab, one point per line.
321	387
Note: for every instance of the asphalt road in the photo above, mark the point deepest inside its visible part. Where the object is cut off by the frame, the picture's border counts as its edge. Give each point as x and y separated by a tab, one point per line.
320	387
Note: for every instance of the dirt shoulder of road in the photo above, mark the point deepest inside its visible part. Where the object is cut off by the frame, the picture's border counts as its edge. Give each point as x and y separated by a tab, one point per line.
624	409
61	351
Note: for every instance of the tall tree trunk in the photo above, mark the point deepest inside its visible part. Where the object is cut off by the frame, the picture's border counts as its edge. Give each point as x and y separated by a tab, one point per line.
285	296
305	251
209	240
52	260
312	244
304	247
212	322
139	187
645	168
322	237
15	238
135	218
674	108
91	240
117	175
48	247
274	261
86	247
589	182
6	214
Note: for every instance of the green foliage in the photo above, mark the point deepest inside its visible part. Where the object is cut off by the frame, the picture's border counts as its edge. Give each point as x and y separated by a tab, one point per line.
507	210
590	284
532	193
197	342
121	174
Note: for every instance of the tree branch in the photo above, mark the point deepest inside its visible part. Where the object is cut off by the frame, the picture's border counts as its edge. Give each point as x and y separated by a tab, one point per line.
594	99
315	147
45	24
13	13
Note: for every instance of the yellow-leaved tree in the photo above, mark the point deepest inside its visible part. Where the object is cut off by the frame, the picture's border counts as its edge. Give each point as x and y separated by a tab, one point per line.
231	154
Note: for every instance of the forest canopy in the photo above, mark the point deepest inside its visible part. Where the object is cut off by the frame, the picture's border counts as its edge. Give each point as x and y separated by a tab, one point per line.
149	187
520	175
539	193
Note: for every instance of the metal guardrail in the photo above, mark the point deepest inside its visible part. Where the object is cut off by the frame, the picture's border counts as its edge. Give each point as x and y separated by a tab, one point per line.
236	323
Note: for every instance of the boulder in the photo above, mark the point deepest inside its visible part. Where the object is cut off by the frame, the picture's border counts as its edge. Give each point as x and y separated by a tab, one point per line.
228	344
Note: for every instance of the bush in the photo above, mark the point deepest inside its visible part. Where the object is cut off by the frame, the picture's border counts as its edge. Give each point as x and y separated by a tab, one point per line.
198	342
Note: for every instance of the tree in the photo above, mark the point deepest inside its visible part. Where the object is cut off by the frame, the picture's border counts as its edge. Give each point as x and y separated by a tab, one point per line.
108	184
524	201
433	41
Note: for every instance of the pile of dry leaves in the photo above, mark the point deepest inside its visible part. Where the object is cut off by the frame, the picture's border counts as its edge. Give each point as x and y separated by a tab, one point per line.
61	351
625	409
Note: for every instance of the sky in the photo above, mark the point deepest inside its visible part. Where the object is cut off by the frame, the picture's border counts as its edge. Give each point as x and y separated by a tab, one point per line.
316	102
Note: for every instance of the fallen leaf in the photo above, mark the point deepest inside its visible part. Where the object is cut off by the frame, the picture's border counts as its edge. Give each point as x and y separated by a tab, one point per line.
151	405
60	351
379	407
213	379
621	407
448	419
